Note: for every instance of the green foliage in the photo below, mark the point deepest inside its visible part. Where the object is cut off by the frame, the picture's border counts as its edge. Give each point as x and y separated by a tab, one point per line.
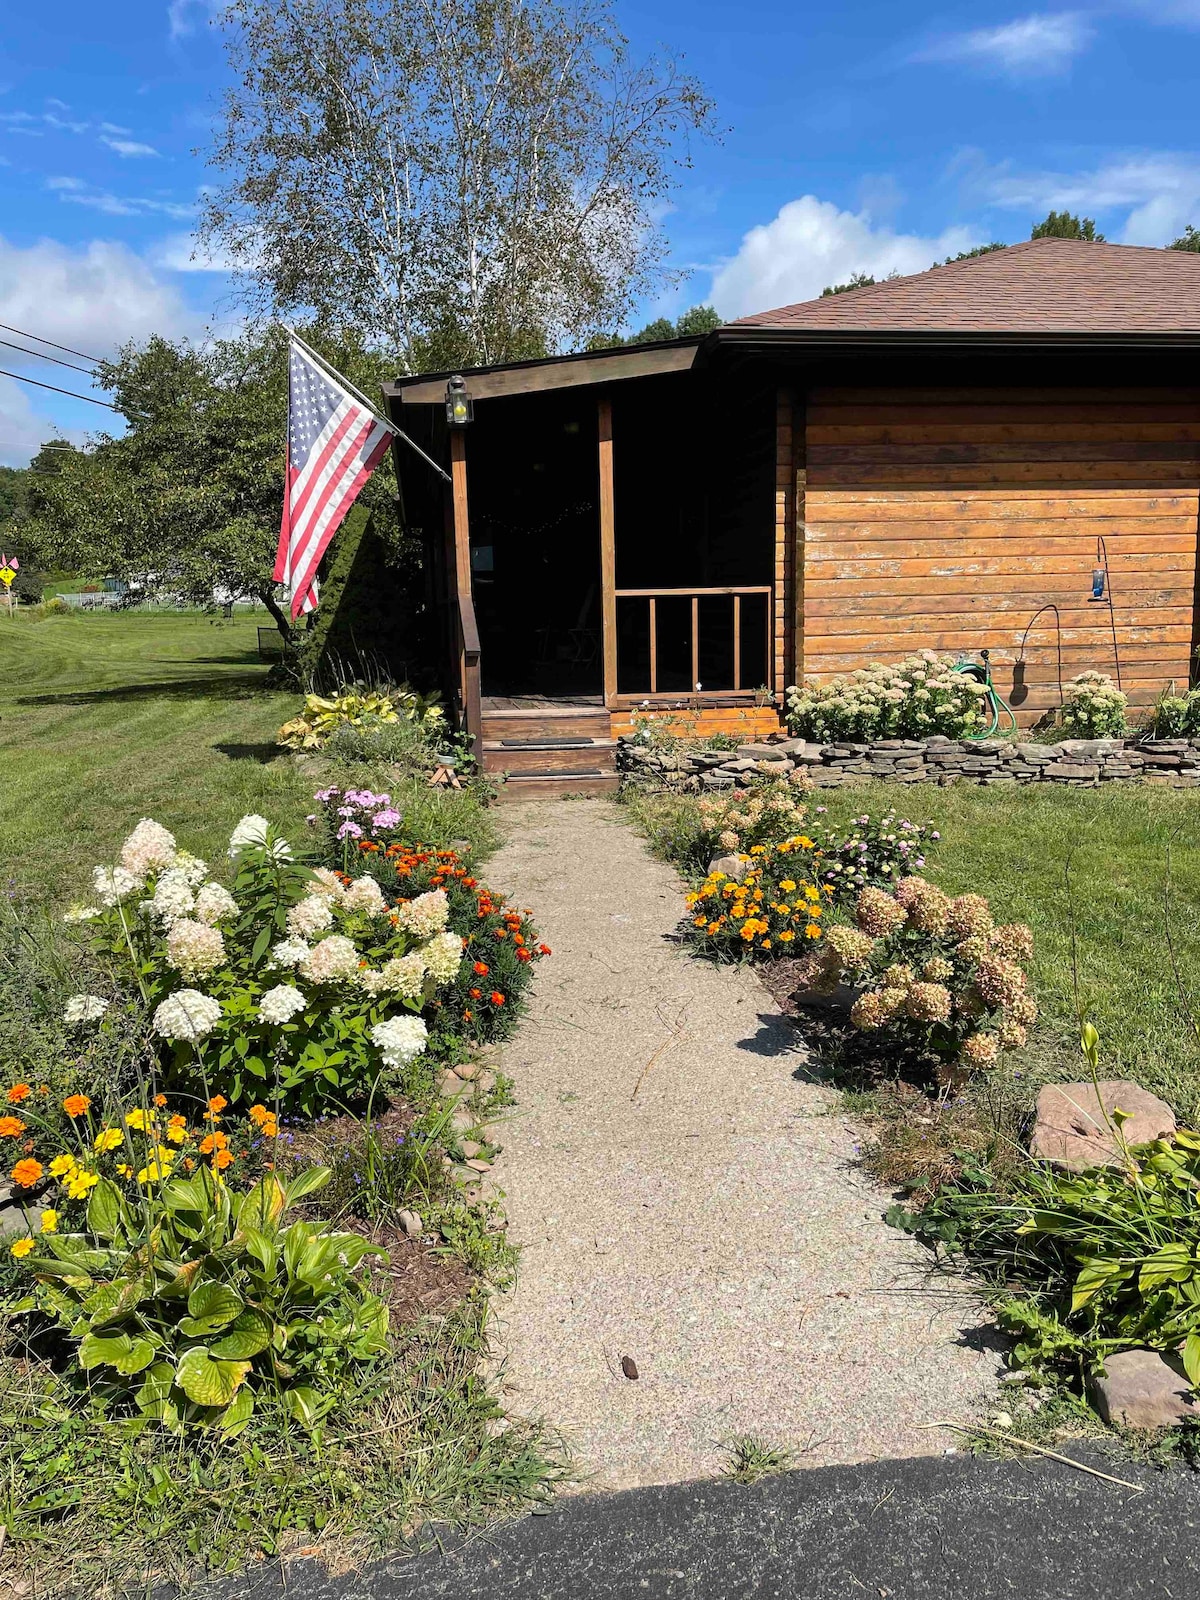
1093	707
917	697
1176	716
856	280
184	1304
364	708
696	320
970	255
1188	240
1062	225
751	1459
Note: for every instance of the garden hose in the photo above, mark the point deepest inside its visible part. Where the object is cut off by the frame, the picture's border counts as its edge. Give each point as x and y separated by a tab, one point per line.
981	671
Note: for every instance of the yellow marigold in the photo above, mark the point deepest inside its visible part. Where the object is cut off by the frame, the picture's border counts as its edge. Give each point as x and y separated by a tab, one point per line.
123	1169
107	1139
80	1182
699	922
76	1105
136	1119
62	1165
758	849
50	1220
787	885
813	931
786	936
152	1172
176	1133
22	1247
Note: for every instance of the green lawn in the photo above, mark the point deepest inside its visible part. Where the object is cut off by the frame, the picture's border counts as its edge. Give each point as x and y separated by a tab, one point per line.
108	718
1013	845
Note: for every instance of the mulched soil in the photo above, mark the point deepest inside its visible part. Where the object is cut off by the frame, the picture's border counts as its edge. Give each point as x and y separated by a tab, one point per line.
312	1140
781	979
416	1280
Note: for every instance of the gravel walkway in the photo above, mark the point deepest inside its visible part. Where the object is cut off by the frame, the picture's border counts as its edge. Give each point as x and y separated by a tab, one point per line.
683	1196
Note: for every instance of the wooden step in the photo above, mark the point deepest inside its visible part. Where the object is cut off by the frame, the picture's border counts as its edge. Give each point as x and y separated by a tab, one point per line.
596	755
571	722
543	786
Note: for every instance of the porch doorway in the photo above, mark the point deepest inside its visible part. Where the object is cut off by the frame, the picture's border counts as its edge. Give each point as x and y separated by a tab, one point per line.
535	548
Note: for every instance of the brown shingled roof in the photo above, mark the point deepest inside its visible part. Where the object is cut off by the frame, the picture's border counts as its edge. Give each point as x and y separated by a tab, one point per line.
1041	286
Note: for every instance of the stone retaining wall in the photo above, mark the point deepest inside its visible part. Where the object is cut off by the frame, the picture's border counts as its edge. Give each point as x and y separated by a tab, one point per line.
1174	763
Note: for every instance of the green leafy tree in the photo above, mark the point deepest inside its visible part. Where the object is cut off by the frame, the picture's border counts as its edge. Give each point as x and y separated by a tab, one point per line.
856	280
1062	225
469	181
696	320
1189	239
188	498
970	255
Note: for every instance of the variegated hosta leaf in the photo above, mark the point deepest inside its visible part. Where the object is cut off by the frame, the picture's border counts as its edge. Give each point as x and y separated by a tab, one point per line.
211	1307
119	1350
207	1382
247	1335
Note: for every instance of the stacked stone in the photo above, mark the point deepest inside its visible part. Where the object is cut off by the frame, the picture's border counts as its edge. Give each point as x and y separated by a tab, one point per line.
1080	763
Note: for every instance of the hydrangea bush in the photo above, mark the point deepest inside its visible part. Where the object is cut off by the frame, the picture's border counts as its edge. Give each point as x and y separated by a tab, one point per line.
775	908
297	983
934	971
1093	707
917	697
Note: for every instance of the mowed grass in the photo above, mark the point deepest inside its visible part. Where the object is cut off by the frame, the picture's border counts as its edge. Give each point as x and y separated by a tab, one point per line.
108	718
1016	846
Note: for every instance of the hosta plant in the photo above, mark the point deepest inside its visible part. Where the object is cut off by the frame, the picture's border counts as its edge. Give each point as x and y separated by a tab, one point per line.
187	1304
298	983
934	973
358	707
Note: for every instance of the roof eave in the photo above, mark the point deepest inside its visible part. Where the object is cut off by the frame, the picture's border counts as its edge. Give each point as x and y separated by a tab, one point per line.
743	336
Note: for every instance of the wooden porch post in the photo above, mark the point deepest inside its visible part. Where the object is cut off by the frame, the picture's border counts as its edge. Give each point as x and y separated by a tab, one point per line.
608	551
785	549
462	527
468	634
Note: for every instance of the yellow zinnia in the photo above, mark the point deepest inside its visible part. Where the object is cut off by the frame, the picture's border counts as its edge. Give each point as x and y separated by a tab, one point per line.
50	1221
80	1182
62	1166
136	1119
107	1139
22	1247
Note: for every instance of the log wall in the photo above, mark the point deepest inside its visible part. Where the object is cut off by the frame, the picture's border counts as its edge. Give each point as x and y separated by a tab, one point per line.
944	518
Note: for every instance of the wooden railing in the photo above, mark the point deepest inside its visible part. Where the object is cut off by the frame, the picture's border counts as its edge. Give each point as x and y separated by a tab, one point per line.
468	666
696	595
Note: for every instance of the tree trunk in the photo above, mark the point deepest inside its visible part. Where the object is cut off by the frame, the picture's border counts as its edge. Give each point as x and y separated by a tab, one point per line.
282	620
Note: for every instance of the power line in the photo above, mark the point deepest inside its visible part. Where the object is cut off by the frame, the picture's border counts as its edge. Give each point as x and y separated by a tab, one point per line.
42	355
107	404
38	339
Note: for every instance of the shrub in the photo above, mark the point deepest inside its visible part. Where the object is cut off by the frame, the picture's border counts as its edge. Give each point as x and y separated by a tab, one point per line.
934	973
874	850
186	1302
1096	1261
362	707
1177	716
300	984
1094	707
775	909
917	697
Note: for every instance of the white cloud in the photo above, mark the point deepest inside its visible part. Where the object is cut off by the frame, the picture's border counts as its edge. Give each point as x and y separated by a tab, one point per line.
92	298
127	147
75	191
180	252
1034	46
810	244
22	427
1154	194
181	15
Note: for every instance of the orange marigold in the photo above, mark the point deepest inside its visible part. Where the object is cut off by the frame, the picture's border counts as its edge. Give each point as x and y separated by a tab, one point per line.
11	1127
76	1105
496	998
18	1092
26	1173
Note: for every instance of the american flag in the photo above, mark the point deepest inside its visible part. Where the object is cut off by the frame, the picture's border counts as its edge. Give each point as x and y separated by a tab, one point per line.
335	442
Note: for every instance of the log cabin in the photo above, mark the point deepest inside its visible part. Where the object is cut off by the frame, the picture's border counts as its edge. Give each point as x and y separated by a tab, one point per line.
951	460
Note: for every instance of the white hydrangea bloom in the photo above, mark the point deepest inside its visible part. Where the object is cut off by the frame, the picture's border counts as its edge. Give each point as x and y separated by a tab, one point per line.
194	948
399	1040
190	867
79	913
364	894
308	916
405	975
334	960
214	903
84	1008
372	980
288	953
113	884
149	848
426	915
251	834
187	1014
327	885
173	897
443	956
281	1004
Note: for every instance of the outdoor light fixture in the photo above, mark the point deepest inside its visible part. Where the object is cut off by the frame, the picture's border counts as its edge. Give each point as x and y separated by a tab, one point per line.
460	408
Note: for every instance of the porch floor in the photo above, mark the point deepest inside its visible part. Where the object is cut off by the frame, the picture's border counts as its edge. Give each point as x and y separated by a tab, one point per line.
537	702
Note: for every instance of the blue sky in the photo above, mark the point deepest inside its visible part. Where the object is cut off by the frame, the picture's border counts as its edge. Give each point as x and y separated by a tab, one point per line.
868	137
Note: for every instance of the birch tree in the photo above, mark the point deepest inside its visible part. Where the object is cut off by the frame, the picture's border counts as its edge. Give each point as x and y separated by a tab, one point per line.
463	181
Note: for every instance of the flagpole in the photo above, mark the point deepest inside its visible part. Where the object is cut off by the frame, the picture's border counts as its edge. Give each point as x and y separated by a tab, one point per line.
396	432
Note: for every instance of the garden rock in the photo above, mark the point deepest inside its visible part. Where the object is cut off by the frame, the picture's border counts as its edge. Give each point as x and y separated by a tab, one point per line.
449	1083
1072	1127
1144	1389
469	1148
462	1121
732	866
410	1224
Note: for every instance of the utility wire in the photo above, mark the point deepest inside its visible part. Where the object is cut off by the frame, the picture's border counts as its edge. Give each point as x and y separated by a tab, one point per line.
43	356
37	338
107	404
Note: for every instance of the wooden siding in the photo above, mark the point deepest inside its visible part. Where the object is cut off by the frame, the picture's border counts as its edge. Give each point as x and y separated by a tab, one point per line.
946	518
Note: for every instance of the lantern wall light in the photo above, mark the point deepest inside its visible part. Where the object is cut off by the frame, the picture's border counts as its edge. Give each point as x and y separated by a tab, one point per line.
460	408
